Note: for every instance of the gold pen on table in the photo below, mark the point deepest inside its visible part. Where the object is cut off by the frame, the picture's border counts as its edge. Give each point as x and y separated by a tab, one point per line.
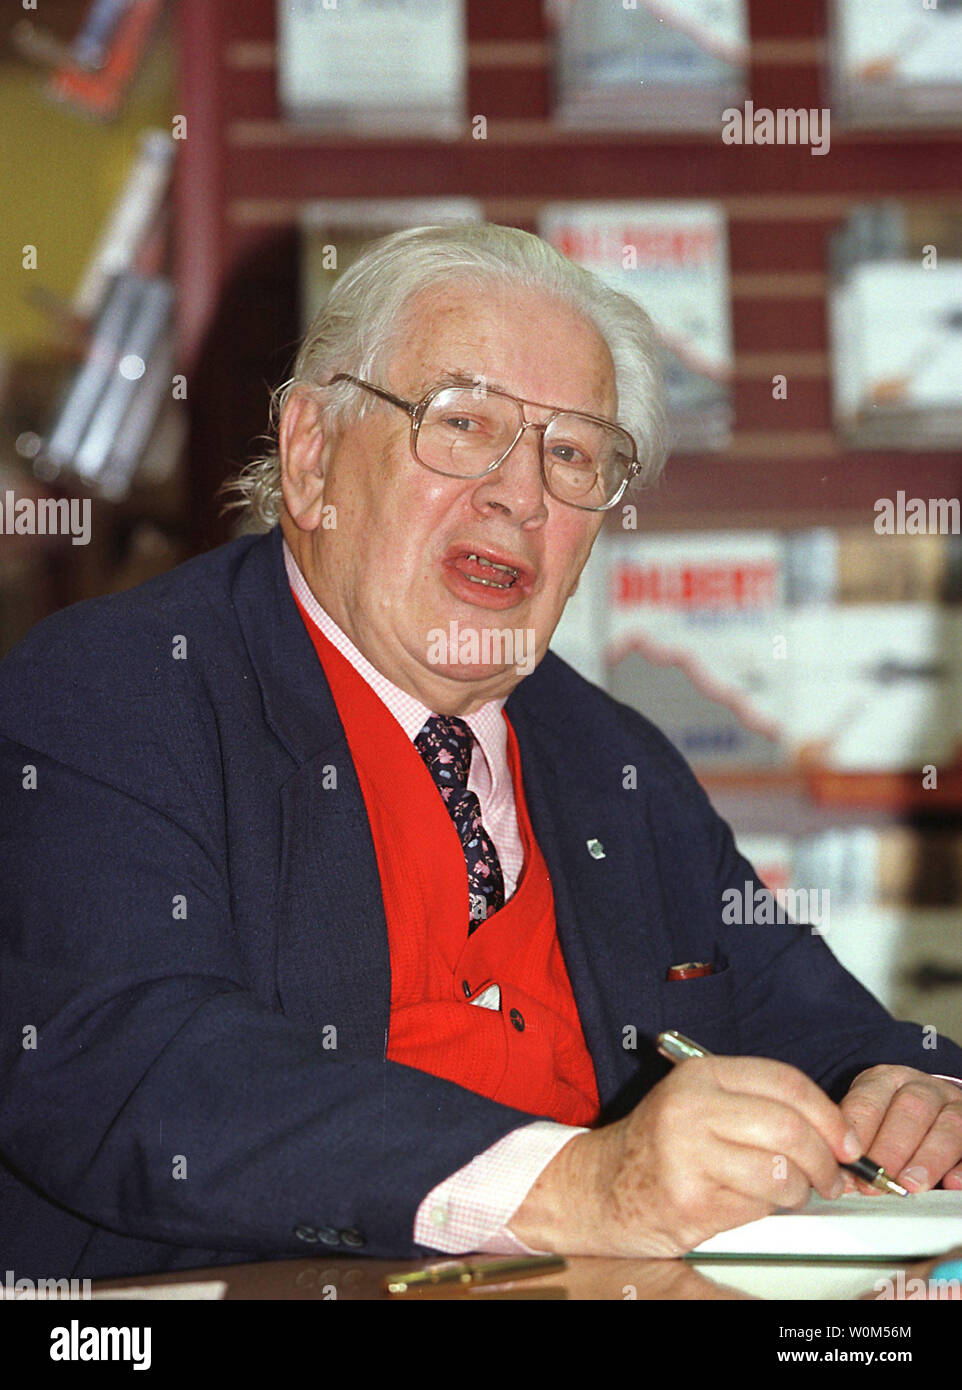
677	1048
467	1272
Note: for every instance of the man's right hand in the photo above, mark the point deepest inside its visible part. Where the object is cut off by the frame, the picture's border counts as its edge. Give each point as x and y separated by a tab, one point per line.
718	1142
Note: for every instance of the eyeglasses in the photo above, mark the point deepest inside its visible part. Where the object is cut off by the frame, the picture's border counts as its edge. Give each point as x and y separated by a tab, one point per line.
467	431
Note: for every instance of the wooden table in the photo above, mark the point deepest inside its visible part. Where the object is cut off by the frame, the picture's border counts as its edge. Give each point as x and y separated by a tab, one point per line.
353	1280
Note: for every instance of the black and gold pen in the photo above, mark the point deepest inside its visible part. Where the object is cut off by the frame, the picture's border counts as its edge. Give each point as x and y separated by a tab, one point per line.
677	1048
465	1272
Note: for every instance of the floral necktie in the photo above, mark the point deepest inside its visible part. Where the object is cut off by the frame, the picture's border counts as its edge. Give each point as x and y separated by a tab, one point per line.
445	745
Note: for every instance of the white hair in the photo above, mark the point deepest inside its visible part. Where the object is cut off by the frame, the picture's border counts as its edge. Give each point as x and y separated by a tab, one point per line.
361	323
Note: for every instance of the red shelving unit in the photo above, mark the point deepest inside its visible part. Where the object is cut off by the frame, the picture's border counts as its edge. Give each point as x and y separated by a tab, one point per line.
244	172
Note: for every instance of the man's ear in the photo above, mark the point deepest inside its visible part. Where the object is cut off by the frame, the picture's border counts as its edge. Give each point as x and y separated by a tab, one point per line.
301	438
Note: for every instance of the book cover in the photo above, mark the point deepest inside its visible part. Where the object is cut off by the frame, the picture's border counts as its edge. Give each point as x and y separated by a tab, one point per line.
693	641
373	64
896	60
872	686
649	64
672	257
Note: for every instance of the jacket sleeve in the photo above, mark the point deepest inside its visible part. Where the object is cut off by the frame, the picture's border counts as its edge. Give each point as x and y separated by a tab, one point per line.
144	1085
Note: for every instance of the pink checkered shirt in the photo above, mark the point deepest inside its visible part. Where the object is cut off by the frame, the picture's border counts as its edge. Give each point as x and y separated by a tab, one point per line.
469	1210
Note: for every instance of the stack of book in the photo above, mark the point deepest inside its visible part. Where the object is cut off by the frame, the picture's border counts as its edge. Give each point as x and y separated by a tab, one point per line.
894	865
856	564
122	391
887	899
673	259
137	230
649	64
113	402
896	327
373	66
873	670
896	62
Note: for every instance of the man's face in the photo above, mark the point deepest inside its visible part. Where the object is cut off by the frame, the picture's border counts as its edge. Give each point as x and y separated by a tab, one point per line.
392	570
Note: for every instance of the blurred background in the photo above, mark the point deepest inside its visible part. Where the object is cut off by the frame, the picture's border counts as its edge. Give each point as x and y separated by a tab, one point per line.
778	184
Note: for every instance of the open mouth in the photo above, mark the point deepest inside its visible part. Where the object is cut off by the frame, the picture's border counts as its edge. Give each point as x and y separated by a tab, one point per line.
489	578
487	572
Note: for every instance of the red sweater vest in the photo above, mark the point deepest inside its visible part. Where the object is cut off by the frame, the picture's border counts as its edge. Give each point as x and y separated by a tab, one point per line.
531	1055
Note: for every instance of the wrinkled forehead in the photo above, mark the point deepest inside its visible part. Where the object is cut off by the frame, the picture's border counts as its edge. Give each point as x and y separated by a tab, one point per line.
509	338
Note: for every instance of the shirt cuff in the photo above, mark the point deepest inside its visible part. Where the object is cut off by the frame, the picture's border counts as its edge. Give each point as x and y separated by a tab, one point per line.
470	1210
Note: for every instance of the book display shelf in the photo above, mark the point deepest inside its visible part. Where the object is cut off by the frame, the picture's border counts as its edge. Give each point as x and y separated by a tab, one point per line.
781	479
245	172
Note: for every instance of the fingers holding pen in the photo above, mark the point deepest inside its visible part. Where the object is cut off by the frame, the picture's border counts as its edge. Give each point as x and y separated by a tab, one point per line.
723	1140
785	1086
717	1142
789	1155
912	1121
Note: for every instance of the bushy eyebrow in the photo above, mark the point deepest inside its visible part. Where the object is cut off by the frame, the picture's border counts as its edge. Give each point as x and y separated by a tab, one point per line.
461	377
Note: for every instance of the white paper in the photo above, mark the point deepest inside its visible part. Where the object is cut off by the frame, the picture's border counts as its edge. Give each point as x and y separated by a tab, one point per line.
852	1227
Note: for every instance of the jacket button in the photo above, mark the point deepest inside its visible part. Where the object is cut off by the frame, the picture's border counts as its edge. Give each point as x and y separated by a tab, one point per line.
328	1236
467	989
517	1018
307	1233
353	1238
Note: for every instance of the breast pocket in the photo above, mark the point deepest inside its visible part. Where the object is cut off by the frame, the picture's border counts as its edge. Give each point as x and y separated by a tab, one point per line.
704	1009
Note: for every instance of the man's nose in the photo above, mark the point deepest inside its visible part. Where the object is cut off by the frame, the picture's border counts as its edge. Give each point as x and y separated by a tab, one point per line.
517	482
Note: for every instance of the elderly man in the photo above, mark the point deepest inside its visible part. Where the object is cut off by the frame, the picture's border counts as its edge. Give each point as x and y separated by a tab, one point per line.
320	933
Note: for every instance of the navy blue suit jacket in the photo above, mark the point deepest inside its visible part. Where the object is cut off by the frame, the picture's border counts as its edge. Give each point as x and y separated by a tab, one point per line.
188	904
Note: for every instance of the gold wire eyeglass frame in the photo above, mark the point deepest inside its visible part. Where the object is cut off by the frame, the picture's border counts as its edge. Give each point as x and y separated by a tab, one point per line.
417	410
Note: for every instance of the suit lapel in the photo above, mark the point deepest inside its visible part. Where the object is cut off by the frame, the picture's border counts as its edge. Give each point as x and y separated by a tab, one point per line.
607	909
333	961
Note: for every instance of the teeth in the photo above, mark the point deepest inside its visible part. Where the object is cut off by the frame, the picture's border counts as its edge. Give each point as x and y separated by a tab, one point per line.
509	569
488	583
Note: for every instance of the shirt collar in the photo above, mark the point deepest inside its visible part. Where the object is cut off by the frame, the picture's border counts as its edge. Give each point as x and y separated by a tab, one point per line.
487	724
